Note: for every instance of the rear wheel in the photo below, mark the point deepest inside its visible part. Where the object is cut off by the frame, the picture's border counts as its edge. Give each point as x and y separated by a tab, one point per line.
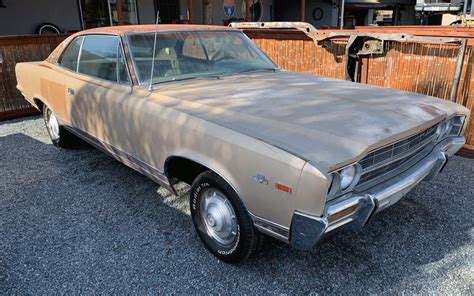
221	220
58	134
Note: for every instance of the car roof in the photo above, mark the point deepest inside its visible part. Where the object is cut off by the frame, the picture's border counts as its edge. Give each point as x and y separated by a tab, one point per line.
121	30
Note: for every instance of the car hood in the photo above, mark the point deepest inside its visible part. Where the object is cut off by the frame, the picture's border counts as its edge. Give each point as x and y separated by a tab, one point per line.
324	121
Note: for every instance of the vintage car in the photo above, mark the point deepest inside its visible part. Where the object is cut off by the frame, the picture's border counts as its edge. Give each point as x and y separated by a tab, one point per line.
266	151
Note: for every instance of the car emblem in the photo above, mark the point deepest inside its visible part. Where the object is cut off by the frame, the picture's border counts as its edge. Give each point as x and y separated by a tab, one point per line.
260	179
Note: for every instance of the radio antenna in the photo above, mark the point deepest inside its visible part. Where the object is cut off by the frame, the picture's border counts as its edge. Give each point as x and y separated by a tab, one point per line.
150	87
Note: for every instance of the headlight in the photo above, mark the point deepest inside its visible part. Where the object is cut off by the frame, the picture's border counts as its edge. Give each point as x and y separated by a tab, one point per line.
347	176
442	129
344	180
456	125
450	127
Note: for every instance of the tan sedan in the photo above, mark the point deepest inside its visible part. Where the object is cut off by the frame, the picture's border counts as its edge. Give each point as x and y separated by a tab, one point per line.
289	155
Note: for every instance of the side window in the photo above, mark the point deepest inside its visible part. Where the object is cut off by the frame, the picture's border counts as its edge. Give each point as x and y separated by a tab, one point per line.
69	56
99	57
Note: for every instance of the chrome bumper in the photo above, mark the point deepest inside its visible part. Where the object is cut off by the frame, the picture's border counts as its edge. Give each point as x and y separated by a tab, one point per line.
355	210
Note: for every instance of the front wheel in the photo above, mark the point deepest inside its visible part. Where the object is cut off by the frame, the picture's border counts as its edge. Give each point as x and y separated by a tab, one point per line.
221	220
58	134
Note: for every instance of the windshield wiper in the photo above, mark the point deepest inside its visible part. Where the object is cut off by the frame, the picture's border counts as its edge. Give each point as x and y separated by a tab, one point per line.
254	70
189	78
196	77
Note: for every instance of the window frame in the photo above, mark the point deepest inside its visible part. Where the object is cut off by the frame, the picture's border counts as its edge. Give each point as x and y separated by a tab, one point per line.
127	35
59	59
120	45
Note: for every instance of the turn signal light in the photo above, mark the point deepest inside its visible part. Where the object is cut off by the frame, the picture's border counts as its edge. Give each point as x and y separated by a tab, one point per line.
283	188
341	214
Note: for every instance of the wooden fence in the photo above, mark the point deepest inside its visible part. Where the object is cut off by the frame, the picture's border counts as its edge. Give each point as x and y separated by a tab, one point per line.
14	49
426	68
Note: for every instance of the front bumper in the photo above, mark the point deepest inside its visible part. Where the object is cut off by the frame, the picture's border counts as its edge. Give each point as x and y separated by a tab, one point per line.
355	210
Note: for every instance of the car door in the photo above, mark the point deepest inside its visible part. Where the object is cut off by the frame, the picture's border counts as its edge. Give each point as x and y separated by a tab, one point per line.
100	88
105	107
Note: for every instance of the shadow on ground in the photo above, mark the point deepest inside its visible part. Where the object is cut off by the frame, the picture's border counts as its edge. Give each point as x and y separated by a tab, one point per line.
79	221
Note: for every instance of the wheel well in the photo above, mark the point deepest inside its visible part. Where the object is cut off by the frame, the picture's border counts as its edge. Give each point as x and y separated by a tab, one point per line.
183	169
39	104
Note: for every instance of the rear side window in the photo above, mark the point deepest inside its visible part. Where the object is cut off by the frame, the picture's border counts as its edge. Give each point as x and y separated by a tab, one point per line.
69	57
99	57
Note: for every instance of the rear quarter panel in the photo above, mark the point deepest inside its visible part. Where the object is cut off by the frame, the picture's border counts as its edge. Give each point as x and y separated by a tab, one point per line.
28	80
40	81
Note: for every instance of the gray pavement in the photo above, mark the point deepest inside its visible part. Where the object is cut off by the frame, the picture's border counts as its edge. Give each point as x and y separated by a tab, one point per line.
79	222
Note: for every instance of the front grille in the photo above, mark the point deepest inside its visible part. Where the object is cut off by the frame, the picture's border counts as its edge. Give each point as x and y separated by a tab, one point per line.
389	158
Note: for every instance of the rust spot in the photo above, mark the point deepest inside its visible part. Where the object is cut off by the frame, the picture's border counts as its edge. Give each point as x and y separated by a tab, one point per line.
55	95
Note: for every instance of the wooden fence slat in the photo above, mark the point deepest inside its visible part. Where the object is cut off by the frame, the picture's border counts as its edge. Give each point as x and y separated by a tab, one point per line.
416	67
15	49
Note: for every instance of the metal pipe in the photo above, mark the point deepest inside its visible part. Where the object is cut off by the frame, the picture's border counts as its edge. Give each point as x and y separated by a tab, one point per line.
118	8
81	16
110	13
248	16
190	11
464	8
395	14
341	25
472	8
302	10
457	73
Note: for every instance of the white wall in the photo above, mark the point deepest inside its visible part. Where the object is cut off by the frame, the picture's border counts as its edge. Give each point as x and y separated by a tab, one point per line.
22	16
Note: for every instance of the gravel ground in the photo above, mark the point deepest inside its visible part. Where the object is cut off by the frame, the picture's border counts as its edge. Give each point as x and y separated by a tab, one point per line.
77	221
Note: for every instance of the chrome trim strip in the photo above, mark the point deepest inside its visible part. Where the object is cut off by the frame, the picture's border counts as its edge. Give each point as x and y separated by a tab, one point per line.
407	154
124	157
399	157
79	54
451	147
387	195
270	228
306	231
364	208
386	176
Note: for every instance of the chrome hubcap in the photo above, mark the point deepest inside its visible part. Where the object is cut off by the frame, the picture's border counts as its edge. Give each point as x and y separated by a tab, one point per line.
53	125
219	217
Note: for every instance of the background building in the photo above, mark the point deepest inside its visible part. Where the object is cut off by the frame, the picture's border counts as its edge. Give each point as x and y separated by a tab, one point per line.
26	16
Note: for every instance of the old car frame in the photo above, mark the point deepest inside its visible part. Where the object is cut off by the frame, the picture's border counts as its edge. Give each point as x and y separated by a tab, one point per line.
265	150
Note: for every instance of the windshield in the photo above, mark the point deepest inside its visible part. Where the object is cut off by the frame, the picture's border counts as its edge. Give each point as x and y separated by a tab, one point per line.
194	54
